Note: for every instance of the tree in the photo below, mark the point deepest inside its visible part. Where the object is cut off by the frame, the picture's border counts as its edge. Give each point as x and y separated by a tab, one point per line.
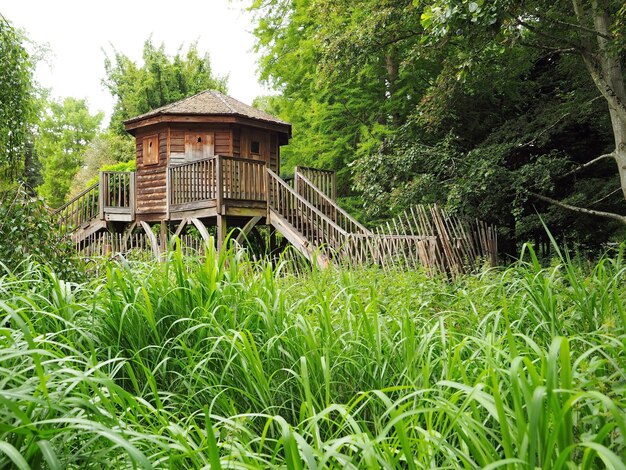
591	30
421	104
103	152
160	80
16	88
64	133
337	111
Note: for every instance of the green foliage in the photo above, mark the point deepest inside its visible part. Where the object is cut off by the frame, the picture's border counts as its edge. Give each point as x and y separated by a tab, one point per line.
29	232
64	133
16	107
122	166
471	104
160	80
224	362
107	150
340	89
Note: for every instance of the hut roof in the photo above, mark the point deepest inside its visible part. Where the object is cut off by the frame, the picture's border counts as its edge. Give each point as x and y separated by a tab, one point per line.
209	103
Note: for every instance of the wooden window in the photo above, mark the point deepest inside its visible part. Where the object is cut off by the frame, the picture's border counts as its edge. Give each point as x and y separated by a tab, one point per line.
255	147
151	150
199	145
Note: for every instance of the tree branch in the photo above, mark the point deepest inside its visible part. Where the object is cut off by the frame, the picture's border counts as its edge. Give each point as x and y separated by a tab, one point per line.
587	165
556	39
576	26
597	75
580	210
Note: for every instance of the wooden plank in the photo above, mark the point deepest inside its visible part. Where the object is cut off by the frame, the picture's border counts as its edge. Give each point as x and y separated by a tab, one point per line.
152	238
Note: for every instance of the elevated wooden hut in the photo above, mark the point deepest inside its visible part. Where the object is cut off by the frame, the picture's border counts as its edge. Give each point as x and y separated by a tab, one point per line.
210	160
170	141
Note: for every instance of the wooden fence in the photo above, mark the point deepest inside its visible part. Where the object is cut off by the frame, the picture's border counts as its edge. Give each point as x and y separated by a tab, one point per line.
107	244
422	237
427	236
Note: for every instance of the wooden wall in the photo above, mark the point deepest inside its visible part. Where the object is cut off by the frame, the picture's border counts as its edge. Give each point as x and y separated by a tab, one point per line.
269	151
228	139
151	180
221	138
236	136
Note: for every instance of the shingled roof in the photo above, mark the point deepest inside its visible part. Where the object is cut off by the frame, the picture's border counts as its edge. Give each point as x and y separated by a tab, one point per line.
209	102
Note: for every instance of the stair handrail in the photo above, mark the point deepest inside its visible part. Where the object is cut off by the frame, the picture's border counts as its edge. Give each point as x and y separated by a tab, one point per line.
74	199
320	215
307	203
81	209
330	182
336	206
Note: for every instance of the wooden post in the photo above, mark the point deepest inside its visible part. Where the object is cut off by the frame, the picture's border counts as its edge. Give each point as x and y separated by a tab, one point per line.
221	231
163	236
168	184
220	185
133	195
296	179
101	197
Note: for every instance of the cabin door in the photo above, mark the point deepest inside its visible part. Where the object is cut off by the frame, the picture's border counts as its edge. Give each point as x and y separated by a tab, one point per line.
197	146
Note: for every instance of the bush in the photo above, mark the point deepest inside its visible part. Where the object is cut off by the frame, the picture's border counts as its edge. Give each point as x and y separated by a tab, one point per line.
198	363
29	231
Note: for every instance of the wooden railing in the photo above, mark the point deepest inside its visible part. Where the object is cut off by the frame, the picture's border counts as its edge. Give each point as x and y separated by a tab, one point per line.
318	229
242	178
324	180
80	210
217	178
309	191
194	181
117	191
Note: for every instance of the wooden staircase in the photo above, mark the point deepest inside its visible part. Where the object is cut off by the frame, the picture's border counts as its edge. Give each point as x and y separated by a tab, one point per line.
305	212
312	232
80	216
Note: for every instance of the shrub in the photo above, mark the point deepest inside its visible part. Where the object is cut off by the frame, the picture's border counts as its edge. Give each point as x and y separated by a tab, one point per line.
29	231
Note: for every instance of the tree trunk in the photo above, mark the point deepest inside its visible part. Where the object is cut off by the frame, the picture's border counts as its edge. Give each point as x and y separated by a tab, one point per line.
608	75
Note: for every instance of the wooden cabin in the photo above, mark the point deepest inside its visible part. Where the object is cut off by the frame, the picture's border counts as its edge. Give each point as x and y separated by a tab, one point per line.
171	139
210	160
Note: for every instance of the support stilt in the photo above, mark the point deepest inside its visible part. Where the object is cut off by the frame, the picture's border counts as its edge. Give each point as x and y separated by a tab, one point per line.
153	240
221	231
247	228
202	229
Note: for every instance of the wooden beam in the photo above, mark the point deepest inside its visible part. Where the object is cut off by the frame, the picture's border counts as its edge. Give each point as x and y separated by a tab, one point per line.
297	240
202	229
221	231
127	233
246	229
181	226
153	240
163	236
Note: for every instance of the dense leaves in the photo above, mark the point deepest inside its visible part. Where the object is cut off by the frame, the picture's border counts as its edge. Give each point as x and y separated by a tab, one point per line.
64	133
29	232
159	80
16	107
477	105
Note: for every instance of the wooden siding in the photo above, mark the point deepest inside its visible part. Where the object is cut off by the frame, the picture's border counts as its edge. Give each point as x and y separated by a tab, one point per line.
151	179
274	149
236	136
220	134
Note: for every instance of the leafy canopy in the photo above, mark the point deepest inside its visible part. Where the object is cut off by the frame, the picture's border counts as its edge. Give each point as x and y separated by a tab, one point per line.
64	133
16	89
160	80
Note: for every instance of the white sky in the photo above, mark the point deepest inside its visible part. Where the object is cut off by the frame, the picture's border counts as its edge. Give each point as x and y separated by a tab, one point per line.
77	31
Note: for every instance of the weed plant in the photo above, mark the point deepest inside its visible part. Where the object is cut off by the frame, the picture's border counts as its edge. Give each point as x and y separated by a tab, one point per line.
224	362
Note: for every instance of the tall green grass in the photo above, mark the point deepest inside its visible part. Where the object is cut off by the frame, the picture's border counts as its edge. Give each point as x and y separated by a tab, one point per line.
223	362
